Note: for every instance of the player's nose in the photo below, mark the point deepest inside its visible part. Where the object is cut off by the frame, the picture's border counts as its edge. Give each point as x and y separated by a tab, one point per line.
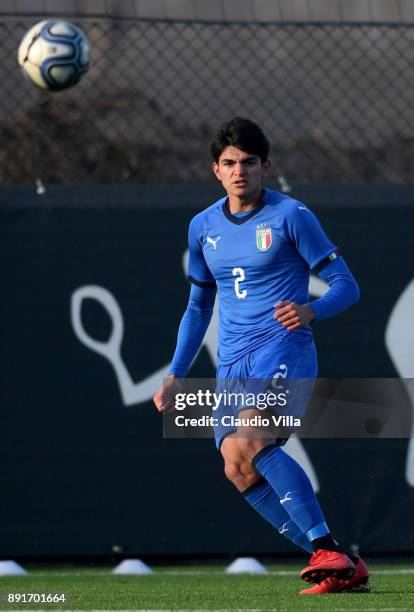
240	169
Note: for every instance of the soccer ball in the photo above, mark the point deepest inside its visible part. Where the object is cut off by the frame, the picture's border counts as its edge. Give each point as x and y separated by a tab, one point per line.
54	55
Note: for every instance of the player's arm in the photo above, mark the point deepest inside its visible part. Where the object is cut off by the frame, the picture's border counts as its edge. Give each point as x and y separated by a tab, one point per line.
323	258
343	289
192	328
343	292
194	323
191	332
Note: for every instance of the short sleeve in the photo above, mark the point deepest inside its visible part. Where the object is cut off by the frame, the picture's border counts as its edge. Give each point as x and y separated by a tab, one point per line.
198	271
305	231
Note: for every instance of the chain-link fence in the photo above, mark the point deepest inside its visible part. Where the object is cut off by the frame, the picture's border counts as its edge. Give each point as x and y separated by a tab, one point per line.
335	100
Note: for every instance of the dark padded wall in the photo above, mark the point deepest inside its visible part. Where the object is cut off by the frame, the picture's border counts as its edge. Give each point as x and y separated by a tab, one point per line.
80	471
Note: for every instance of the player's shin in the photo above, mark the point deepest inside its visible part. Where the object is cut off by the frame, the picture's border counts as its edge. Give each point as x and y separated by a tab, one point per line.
264	500
293	487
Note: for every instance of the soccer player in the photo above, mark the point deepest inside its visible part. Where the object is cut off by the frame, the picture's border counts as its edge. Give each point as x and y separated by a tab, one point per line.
256	248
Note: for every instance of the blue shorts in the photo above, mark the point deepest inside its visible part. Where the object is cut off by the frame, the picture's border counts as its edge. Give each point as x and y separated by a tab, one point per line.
291	356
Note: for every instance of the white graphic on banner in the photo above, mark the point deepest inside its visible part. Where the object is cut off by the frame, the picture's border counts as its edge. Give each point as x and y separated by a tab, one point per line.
399	340
132	393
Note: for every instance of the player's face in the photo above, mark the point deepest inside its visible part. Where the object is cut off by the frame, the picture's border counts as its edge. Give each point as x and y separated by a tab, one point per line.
241	173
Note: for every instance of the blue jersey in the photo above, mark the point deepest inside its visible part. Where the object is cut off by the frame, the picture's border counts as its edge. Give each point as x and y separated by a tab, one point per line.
255	261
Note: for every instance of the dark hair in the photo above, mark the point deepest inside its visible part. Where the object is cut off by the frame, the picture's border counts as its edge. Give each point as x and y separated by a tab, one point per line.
243	134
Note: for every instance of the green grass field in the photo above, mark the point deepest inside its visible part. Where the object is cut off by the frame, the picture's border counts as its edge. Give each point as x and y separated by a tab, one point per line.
204	588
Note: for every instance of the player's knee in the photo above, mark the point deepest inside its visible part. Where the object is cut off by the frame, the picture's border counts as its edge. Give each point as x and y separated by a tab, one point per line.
241	474
249	447
231	470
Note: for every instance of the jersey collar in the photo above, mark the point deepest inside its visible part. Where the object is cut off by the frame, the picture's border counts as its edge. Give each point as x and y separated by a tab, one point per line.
252	213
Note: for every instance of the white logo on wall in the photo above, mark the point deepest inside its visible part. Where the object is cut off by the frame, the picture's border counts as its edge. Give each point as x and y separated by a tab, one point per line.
132	393
399	340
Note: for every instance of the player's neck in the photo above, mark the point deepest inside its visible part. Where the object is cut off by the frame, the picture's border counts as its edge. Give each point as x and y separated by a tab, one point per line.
236	204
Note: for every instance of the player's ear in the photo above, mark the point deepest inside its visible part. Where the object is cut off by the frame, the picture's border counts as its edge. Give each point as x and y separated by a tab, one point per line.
266	167
216	170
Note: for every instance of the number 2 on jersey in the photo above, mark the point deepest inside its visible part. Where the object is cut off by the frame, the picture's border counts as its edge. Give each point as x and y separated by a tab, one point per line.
239	272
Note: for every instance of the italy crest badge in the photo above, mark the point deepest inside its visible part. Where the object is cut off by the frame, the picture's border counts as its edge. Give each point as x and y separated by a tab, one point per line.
263	237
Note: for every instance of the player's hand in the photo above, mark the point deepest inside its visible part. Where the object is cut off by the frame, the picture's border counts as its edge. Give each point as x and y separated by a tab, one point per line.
293	316
164	398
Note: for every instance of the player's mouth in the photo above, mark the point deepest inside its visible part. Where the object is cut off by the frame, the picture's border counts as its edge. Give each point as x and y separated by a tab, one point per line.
240	183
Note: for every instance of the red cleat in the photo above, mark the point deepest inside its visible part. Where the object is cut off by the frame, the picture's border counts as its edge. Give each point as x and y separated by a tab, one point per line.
326	563
358	583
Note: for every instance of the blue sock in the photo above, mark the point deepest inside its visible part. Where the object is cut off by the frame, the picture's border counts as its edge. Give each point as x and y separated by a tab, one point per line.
264	500
293	488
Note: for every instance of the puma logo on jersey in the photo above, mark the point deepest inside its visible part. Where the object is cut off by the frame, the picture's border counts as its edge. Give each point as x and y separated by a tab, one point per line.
284	529
213	241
